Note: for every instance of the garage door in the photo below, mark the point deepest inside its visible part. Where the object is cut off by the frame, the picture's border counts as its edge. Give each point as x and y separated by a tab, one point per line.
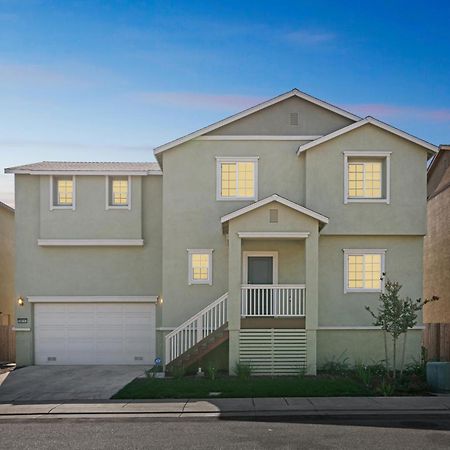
94	333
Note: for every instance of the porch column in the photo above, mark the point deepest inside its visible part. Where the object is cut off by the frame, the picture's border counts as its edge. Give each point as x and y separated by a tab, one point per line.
312	299
234	298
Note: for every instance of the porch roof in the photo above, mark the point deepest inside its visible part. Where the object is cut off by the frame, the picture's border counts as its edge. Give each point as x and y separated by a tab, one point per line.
275	198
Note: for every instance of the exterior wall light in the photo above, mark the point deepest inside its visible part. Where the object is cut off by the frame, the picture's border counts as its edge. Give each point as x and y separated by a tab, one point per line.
20	301
160	300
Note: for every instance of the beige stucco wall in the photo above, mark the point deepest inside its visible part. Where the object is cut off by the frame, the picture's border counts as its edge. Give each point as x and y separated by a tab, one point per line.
7	263
403	263
406	213
84	271
91	219
437	259
275	120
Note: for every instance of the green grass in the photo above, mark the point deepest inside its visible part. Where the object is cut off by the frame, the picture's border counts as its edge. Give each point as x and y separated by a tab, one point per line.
231	387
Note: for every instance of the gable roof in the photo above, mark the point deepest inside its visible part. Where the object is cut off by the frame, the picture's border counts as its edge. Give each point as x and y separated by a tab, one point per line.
368	120
253	109
87	168
442	148
275	198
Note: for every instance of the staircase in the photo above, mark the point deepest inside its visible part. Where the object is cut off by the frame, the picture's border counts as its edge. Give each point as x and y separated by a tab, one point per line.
198	336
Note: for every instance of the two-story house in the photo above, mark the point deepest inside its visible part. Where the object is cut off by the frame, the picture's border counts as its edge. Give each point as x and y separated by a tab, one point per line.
258	239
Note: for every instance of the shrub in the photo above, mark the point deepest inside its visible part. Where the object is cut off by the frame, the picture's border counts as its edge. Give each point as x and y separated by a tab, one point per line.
337	366
364	373
178	372
243	371
211	371
386	388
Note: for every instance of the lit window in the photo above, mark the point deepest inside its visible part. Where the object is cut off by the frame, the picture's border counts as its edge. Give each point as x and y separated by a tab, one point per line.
237	179
63	192
364	179
367	176
118	192
200	266
363	270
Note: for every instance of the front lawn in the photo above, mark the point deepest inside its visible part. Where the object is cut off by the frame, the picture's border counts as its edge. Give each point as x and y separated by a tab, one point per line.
233	387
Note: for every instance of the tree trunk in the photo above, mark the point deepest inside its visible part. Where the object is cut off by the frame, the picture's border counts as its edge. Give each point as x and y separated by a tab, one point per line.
394	354
403	354
386	351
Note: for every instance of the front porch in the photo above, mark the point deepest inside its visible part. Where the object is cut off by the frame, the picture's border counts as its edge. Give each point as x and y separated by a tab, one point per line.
273	279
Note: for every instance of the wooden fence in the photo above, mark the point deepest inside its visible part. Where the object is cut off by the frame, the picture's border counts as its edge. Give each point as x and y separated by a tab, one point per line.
7	339
436	339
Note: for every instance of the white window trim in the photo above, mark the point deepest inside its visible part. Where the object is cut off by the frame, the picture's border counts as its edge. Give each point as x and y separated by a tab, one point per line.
363	251
207	251
123	207
222	159
245	256
368	154
74	195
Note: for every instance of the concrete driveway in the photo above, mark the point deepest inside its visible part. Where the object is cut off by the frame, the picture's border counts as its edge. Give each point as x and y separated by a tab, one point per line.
53	383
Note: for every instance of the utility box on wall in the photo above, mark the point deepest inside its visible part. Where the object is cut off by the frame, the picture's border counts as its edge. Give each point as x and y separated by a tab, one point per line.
438	376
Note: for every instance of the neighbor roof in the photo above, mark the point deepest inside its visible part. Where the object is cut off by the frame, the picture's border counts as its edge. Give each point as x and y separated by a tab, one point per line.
442	148
368	120
87	168
7	207
247	112
275	198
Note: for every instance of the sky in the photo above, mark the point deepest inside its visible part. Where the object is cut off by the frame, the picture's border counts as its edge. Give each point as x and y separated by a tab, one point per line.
110	80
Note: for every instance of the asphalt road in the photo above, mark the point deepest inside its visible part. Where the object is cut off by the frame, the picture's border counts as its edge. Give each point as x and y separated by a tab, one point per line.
399	433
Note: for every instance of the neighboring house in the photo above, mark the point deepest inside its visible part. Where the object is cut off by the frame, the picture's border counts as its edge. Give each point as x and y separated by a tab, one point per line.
437	257
7	290
259	239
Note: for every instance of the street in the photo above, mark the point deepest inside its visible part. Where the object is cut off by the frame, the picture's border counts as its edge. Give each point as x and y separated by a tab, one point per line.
407	432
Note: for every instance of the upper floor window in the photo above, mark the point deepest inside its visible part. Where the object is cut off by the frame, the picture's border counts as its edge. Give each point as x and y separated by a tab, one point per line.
118	192
200	266
237	178
62	192
367	177
363	270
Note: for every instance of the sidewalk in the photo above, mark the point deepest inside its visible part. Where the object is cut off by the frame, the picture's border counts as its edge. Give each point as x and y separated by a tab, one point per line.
238	407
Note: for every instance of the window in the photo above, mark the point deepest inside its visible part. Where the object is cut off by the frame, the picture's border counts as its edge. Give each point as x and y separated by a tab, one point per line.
118	193
62	192
200	266
367	177
237	178
363	270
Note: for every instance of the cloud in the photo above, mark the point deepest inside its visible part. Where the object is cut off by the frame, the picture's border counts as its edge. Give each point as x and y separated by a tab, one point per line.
195	100
407	112
309	37
33	144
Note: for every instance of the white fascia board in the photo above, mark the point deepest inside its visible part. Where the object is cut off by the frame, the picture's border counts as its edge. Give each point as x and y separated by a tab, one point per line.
247	112
82	172
90	242
275	198
93	299
273	234
258	138
369	120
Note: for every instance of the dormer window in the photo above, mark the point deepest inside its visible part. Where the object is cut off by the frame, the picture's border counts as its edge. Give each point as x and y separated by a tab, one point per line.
237	178
118	192
367	177
62	192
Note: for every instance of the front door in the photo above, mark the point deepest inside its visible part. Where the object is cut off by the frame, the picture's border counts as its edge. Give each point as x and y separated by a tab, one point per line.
260	270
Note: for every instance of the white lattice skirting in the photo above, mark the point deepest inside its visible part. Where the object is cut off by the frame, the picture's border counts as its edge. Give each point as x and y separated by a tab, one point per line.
273	351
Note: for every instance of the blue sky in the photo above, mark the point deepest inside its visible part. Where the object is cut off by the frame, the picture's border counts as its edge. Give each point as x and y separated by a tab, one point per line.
109	80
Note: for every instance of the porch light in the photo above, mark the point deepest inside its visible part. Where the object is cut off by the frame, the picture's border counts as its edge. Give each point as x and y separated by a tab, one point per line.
159	300
20	301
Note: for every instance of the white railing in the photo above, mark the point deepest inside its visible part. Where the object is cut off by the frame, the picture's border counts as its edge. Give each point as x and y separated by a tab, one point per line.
196	328
269	300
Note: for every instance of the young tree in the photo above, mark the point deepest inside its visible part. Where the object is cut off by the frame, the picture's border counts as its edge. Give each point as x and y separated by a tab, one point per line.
395	316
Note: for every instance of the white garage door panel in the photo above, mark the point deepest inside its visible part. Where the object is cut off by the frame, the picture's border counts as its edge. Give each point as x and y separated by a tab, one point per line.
94	333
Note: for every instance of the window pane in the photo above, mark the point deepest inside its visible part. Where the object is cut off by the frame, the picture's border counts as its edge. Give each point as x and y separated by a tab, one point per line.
365	179
364	271
237	179
64	192
119	191
200	266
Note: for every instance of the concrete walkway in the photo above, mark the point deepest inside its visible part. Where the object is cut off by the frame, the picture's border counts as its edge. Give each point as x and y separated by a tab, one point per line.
60	383
239	407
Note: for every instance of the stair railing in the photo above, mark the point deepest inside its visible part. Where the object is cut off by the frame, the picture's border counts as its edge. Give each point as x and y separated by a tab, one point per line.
196	328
